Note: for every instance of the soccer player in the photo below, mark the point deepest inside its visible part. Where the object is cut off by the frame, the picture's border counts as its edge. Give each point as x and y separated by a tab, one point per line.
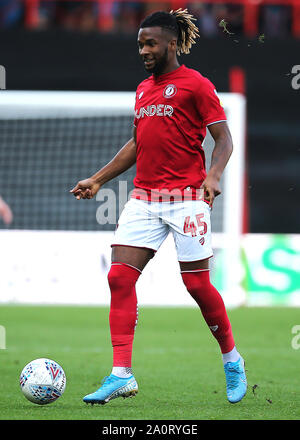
172	193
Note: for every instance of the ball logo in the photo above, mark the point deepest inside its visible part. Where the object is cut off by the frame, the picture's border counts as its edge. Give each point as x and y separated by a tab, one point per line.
169	91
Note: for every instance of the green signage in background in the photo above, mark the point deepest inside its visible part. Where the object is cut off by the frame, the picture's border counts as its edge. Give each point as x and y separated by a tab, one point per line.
272	269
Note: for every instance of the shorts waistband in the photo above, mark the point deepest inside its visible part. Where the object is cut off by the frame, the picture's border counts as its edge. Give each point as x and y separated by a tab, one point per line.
168	196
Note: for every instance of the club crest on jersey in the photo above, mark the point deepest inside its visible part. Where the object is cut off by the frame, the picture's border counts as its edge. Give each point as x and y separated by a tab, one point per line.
169	91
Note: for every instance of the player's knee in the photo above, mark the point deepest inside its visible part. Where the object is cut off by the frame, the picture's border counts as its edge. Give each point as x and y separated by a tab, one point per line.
122	277
114	279
196	281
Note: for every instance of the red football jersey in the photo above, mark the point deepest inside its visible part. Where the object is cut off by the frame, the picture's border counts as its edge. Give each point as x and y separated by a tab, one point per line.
172	112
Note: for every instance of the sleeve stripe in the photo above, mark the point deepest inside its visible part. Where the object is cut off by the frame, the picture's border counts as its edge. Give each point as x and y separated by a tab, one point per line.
211	123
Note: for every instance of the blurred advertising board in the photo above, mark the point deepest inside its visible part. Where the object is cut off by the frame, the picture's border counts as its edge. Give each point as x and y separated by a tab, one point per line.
271	269
66	267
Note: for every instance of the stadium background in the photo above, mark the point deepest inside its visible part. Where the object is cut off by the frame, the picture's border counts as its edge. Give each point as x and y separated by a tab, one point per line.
91	46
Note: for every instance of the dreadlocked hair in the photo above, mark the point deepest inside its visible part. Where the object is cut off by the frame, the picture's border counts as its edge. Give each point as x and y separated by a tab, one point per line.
188	31
180	23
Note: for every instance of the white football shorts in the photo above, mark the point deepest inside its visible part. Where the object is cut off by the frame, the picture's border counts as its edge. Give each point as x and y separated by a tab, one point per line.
147	224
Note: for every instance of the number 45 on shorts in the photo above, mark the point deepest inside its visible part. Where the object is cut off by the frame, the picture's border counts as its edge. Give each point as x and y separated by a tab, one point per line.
189	226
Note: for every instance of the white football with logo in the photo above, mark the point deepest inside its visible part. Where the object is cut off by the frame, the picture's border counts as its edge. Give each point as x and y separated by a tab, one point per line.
42	381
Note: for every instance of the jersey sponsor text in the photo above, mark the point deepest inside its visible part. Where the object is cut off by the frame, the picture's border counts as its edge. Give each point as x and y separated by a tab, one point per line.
152	110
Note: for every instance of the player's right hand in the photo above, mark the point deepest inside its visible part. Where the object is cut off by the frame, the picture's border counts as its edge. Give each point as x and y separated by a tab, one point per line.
85	189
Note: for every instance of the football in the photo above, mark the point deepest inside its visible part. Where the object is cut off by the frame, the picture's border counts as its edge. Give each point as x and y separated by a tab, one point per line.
42	381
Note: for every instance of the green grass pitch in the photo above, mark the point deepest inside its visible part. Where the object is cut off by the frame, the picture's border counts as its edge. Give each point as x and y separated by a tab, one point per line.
176	362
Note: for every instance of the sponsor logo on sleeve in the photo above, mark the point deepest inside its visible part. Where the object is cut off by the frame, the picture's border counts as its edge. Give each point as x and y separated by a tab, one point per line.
221	104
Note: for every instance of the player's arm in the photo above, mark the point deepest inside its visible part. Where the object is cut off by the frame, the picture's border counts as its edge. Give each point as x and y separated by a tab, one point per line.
220	156
123	160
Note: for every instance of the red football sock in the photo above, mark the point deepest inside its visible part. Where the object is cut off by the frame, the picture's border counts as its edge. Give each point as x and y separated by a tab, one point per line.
211	305
123	311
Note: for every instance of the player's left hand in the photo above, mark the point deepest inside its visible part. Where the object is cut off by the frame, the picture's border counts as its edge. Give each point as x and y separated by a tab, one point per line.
211	188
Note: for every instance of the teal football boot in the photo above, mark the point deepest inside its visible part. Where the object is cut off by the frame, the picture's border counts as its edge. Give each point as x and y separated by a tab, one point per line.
236	382
111	388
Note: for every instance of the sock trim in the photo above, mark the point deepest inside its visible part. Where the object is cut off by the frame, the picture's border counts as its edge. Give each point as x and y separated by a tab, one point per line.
117	263
194	270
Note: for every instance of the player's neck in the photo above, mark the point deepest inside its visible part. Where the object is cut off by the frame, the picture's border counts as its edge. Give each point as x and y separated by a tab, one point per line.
168	69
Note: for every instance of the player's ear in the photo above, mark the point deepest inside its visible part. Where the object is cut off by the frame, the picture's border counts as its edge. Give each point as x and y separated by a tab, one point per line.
173	44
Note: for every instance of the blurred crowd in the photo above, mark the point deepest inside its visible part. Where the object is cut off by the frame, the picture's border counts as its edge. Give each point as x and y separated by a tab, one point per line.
125	16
